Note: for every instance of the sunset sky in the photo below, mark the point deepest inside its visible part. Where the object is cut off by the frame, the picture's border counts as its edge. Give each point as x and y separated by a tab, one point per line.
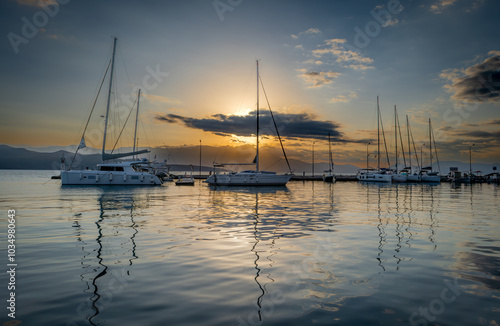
323	64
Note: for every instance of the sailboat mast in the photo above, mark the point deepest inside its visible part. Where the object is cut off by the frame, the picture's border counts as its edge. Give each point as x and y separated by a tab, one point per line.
136	118
396	136
430	144
378	135
330	153
408	135
257	154
109	97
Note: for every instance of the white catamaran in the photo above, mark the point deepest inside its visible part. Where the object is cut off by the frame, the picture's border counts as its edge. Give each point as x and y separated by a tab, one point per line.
122	173
250	177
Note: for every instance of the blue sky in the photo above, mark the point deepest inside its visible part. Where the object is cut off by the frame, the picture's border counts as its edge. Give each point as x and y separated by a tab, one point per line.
323	63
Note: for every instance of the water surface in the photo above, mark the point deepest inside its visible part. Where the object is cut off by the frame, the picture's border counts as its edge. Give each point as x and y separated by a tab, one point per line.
308	253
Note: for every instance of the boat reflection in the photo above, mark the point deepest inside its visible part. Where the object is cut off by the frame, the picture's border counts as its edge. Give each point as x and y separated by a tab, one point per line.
104	271
398	208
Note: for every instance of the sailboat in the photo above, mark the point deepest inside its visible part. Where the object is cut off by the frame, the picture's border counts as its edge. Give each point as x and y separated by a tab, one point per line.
328	175
426	173
121	173
378	175
412	176
400	175
255	177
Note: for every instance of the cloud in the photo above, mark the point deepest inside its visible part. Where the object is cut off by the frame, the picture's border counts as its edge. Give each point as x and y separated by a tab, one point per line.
348	58
480	134
310	31
317	79
343	98
494	122
360	67
312	61
391	22
290	125
440	5
478	83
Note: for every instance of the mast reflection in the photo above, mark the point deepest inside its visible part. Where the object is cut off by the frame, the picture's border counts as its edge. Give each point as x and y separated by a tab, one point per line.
115	223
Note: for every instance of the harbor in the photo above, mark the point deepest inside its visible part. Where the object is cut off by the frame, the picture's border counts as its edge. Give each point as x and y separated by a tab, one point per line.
250	163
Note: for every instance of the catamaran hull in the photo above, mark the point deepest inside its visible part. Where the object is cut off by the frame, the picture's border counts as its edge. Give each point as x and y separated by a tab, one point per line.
431	178
374	177
399	178
413	178
248	180
91	177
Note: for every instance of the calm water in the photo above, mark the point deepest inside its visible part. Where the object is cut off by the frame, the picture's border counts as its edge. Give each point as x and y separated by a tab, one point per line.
310	253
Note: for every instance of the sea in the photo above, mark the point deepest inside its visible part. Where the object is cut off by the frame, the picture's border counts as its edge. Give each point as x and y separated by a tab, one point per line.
310	253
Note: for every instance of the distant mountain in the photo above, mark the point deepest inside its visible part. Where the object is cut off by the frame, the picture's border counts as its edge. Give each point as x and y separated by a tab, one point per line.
181	158
23	159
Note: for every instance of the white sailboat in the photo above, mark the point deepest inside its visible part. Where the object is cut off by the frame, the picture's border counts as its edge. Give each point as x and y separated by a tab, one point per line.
122	173
249	177
328	174
378	175
426	173
400	175
412	176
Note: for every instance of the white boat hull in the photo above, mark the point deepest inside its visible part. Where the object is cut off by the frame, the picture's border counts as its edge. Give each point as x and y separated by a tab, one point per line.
413	178
430	178
248	179
374	177
94	177
399	178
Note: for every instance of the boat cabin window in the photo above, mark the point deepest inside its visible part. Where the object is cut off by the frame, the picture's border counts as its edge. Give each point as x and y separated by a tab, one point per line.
111	168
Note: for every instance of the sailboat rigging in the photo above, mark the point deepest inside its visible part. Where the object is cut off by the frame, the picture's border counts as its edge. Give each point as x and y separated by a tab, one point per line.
123	173
328	175
427	173
378	175
255	177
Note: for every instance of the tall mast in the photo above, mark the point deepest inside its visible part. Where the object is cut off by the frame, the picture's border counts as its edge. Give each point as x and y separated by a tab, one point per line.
430	144
257	155
409	145
396	136
136	118
109	97
330	152
378	135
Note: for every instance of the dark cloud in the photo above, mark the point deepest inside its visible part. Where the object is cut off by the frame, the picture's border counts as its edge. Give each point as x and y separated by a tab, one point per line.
480	134
494	122
318	79
290	125
477	83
